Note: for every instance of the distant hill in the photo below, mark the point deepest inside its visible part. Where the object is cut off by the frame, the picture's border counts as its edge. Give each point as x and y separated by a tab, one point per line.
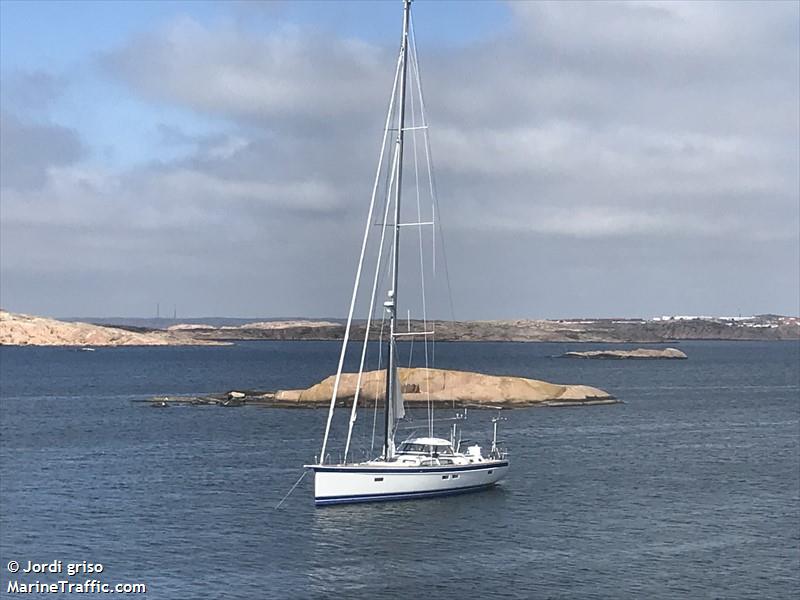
26	330
166	323
583	330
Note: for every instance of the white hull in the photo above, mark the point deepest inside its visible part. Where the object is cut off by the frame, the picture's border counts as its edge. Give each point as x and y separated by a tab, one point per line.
344	484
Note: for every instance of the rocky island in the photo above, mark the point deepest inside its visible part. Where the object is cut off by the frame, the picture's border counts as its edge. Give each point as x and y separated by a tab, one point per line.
26	330
443	387
638	354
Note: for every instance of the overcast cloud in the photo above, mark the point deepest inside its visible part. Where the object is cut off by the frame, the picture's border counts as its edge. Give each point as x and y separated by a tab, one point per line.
593	159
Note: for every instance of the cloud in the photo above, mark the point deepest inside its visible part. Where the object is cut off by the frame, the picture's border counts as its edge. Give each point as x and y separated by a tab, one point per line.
660	138
289	73
157	198
572	180
29	149
29	91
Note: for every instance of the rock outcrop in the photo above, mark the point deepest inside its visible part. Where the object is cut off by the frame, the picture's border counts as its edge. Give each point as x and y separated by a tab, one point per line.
639	353
26	330
258	325
444	386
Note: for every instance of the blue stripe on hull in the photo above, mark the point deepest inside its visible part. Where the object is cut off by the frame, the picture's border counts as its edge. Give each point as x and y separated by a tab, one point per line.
400	496
411	470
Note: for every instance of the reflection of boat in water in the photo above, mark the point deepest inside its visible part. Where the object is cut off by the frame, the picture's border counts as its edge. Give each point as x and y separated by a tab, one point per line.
420	467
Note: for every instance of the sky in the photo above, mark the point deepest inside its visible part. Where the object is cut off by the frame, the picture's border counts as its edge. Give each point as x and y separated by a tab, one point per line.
592	159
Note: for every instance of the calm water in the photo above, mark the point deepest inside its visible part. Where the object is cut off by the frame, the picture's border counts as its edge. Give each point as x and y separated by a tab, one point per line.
688	490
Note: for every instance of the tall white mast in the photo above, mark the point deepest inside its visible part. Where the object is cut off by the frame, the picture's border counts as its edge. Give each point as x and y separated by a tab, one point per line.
391	303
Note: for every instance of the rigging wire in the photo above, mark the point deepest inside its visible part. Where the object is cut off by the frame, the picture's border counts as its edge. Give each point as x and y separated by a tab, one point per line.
384	272
369	318
416	77
360	265
384	184
431	179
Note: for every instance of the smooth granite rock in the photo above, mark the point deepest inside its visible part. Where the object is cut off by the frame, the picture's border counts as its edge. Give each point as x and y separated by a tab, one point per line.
639	353
444	386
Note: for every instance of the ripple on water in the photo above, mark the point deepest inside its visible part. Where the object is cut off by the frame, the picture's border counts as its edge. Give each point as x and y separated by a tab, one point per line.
689	489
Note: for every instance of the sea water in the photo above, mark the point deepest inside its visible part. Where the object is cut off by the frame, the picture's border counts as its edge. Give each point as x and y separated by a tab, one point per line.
688	489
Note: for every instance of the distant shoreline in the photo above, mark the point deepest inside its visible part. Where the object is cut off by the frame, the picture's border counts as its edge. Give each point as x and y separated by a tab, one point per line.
17	329
600	331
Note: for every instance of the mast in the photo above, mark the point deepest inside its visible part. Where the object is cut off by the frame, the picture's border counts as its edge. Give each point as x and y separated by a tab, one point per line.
391	303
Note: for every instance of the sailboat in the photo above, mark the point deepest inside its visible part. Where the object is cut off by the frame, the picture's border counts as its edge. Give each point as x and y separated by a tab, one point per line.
417	467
